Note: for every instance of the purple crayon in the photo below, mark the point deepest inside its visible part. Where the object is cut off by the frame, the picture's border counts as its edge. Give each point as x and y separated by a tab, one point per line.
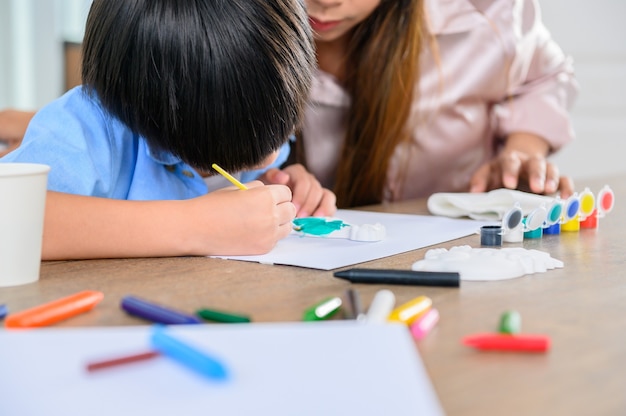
156	313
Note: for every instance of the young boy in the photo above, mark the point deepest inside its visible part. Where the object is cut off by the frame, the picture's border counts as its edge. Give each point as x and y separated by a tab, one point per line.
169	89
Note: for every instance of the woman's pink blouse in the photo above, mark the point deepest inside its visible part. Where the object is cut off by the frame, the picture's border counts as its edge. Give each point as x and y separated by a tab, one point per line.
494	70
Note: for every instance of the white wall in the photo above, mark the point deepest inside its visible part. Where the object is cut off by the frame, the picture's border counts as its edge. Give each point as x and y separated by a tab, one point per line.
594	34
32	33
31	54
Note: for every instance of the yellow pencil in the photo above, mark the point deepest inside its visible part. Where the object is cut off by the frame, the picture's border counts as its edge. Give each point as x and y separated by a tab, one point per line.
230	177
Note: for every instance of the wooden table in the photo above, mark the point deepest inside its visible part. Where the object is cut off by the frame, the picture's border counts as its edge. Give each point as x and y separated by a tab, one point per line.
582	307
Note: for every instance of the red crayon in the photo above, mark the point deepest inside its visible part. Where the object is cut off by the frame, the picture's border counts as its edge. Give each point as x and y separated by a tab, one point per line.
127	359
505	342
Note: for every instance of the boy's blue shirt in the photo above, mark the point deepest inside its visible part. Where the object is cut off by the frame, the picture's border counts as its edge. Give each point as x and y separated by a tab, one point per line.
92	153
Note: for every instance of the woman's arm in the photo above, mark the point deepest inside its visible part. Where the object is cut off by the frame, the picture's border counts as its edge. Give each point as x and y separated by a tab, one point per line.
534	117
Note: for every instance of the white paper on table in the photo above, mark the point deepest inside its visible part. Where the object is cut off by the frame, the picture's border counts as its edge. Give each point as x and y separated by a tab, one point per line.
326	368
404	233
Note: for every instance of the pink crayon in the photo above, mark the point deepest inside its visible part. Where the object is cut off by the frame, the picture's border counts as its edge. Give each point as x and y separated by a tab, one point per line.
423	325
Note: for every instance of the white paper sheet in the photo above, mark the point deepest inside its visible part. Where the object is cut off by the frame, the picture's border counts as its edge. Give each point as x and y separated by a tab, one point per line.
326	368
404	233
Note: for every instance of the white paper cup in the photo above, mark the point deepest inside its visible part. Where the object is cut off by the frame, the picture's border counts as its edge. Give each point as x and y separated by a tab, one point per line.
22	206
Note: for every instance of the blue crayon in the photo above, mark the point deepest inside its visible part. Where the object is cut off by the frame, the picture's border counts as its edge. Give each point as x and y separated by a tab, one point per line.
3	311
156	313
187	355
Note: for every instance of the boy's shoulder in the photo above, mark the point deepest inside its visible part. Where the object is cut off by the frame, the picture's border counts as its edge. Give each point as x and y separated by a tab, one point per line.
77	108
79	100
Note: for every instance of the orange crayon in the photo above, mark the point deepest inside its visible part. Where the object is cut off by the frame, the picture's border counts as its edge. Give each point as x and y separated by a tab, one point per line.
55	311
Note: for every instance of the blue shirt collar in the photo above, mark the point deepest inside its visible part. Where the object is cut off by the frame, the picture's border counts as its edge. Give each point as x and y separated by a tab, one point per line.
162	156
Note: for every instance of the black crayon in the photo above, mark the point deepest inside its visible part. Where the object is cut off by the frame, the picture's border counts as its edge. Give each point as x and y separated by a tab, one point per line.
400	277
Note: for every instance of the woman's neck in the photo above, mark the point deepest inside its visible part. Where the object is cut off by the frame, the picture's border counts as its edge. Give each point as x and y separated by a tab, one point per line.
332	57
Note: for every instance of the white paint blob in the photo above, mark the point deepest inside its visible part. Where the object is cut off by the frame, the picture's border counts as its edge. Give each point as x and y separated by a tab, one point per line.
487	263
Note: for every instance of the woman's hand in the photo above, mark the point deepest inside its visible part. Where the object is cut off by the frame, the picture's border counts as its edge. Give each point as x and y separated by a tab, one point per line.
309	197
522	164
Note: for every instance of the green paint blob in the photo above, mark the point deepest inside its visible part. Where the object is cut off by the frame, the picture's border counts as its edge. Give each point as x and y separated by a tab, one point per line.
317	226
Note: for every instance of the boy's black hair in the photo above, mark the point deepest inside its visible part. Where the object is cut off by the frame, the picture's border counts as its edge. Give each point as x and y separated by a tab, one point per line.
212	81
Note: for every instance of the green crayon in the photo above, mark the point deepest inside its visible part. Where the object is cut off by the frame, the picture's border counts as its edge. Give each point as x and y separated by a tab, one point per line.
510	323
219	316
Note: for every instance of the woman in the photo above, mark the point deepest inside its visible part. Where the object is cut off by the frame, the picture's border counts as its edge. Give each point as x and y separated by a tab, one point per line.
413	97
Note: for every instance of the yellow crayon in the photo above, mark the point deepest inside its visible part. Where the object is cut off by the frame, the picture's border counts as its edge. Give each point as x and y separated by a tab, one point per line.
230	177
411	311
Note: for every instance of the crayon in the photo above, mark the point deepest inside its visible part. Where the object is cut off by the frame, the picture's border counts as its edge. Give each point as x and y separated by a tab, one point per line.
505	342
421	327
156	313
55	311
230	177
322	310
127	359
412	310
187	355
221	316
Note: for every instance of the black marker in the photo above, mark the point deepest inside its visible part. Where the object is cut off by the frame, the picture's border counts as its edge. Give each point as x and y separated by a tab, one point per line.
400	277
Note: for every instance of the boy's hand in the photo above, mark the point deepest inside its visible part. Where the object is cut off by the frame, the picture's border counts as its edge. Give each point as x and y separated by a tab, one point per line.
231	221
522	164
309	197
